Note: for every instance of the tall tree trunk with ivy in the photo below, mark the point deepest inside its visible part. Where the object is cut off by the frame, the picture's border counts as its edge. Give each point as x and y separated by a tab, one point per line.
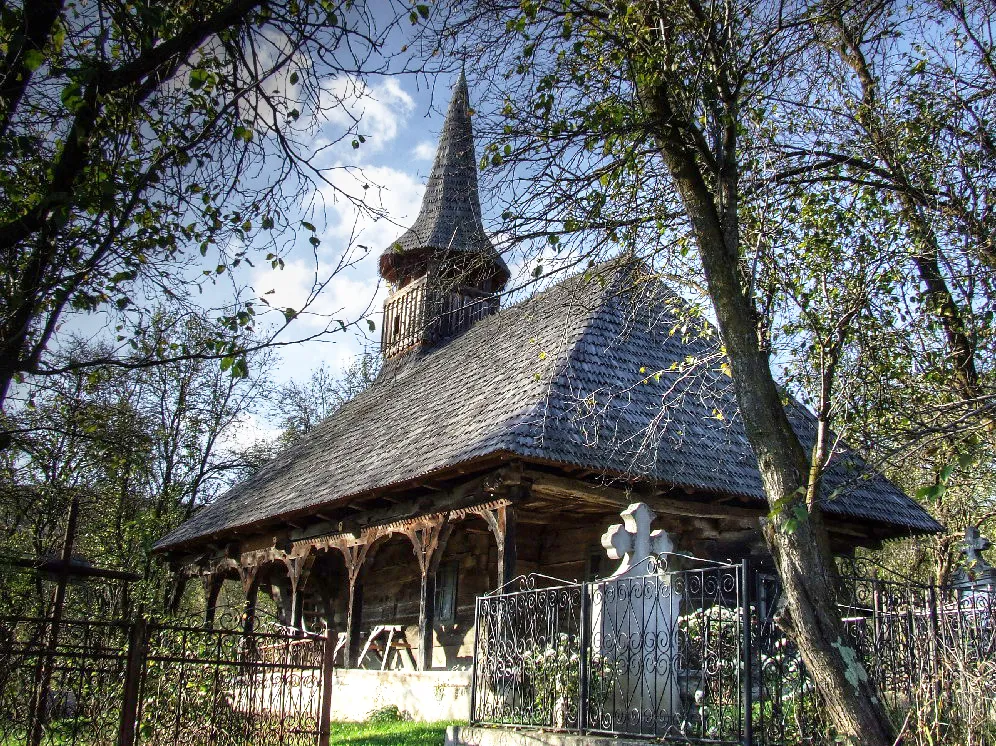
659	89
794	531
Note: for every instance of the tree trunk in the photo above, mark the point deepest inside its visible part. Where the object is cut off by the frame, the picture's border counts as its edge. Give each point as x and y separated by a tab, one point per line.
794	531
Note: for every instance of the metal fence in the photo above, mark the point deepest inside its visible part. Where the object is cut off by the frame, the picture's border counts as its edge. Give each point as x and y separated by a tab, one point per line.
145	683
656	655
695	654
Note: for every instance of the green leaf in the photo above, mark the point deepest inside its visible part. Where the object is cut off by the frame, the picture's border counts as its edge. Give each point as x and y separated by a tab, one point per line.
33	59
72	96
289	314
371	325
293	78
198	77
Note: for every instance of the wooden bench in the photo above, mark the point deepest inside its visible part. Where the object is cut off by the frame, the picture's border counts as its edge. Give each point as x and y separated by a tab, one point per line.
395	640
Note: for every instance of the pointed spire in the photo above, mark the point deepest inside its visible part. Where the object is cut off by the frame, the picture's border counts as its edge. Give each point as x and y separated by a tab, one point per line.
449	222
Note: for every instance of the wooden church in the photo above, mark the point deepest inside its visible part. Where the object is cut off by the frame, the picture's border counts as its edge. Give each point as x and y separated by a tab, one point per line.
501	441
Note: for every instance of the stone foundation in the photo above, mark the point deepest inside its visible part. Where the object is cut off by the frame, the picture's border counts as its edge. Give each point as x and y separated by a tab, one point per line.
469	735
422	695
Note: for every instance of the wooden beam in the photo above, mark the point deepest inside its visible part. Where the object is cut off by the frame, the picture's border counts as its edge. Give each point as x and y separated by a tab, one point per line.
462	496
611	497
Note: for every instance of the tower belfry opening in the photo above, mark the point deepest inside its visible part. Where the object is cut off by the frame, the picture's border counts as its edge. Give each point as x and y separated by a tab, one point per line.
444	271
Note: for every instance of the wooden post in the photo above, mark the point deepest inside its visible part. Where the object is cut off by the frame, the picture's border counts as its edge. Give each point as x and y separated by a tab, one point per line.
174	595
501	521
328	671
427	541
138	641
506	544
212	588
354	555
249	611
426	619
354	614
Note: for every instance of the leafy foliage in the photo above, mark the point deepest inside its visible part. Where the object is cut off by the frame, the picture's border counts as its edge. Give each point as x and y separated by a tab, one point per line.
152	149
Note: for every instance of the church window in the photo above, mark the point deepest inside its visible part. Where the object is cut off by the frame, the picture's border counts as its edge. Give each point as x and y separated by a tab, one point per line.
446	591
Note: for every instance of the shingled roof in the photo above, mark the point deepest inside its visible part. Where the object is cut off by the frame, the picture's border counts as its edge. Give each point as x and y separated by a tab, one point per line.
603	371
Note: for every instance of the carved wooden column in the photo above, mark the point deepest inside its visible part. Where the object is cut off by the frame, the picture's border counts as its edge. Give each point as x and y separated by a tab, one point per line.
212	587
280	590
298	569
250	587
355	555
176	591
428	541
354	618
501	521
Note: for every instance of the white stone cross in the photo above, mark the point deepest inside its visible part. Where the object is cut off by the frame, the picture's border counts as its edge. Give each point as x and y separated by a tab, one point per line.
632	541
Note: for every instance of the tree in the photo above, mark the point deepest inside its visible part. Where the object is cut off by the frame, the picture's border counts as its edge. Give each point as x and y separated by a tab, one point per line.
301	406
141	449
911	126
903	115
652	120
151	147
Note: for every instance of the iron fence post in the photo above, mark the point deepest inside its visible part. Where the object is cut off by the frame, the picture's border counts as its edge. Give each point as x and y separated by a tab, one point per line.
473	668
328	671
935	645
138	643
747	680
584	643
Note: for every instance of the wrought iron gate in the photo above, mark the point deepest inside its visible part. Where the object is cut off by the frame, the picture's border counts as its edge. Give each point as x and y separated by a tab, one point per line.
657	655
694	654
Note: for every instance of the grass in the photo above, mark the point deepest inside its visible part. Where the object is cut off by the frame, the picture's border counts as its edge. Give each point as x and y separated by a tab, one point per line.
384	733
389	733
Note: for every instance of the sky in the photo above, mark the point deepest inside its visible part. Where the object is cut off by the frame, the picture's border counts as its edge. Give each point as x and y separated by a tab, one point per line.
400	125
401	119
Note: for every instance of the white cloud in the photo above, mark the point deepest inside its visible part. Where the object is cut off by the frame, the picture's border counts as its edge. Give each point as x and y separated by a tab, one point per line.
247	431
393	196
424	151
321	300
352	241
374	111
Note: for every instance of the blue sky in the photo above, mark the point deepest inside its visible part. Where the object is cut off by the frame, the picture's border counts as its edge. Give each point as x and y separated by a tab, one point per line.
400	125
400	119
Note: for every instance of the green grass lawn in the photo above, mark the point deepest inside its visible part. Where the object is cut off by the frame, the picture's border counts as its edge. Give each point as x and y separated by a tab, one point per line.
391	733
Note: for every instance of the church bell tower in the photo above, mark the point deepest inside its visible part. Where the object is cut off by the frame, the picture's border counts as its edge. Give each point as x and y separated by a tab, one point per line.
444	272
